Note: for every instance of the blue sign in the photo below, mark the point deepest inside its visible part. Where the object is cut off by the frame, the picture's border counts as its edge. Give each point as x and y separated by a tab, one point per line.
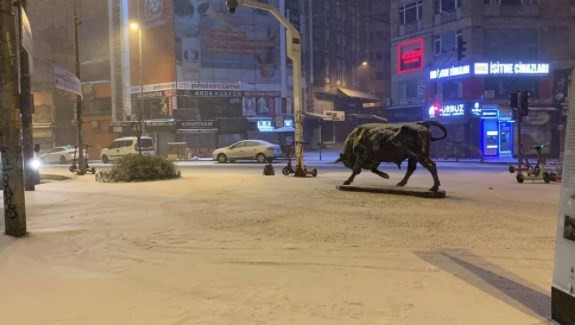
288	123
490	113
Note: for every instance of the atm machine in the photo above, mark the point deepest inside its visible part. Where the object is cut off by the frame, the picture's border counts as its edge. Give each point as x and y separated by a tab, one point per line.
506	137
497	134
490	132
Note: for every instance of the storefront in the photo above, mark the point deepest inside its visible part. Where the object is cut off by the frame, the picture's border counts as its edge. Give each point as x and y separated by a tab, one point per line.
200	137
462	121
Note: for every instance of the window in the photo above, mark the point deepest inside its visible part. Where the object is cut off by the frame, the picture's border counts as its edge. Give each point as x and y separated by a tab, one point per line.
127	143
531	2
510	2
410	13
408	89
379	76
447	6
437	44
452	90
378	56
238	145
448	42
147	143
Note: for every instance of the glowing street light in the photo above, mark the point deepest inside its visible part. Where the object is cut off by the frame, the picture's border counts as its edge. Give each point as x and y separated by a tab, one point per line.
134	26
365	63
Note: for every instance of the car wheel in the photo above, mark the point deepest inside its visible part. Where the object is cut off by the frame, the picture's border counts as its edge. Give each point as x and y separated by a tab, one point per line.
63	160
222	158
105	159
261	158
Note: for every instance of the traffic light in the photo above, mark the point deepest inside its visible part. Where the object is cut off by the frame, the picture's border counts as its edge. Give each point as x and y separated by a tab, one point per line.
461	49
514	99
525	103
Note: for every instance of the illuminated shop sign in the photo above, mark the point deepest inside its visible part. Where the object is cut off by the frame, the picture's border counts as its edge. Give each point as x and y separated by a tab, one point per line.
476	110
493	69
448	110
410	56
490	113
288	123
265	126
450	72
498	68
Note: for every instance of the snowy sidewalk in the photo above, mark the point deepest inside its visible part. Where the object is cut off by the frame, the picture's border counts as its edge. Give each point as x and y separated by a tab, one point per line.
225	247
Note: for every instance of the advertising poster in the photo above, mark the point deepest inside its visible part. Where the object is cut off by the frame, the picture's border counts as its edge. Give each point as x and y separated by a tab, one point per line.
260	103
213	45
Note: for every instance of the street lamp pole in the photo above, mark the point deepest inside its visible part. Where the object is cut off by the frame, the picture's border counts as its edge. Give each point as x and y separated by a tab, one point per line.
139	128
293	41
79	139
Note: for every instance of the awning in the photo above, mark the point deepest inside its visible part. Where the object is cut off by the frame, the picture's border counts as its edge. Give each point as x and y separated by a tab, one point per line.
368	117
358	95
285	129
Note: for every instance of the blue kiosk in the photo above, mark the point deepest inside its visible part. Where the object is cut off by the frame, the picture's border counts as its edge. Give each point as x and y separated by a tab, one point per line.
497	133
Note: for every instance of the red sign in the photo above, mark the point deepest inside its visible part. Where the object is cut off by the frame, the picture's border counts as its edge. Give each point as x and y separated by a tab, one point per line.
410	56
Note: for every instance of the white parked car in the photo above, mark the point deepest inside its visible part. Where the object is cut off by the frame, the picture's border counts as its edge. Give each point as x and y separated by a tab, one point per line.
259	150
60	155
126	146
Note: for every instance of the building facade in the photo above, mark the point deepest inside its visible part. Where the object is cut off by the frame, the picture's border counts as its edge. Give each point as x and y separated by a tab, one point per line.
457	62
54	120
347	62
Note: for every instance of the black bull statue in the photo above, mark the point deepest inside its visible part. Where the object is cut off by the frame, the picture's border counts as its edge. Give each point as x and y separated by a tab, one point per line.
368	145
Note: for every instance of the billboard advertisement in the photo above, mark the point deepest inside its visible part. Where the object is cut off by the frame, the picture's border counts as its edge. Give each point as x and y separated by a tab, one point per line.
213	45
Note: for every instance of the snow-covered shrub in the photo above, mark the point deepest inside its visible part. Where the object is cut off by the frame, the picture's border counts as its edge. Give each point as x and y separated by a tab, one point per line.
136	168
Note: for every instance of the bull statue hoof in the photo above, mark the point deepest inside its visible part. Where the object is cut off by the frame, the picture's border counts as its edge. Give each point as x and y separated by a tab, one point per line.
346	183
400	184
434	189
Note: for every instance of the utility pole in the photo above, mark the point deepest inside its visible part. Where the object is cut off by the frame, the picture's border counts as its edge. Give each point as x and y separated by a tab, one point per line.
79	139
293	40
12	166
26	104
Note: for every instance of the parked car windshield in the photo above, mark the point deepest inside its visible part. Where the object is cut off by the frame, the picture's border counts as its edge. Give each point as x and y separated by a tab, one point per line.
147	143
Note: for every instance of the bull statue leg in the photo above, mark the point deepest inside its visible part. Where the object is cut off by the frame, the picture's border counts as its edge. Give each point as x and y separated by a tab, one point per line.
379	173
355	171
411	166
430	165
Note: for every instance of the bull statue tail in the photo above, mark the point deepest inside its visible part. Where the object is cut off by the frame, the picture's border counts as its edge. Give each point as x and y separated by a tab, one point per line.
338	161
428	125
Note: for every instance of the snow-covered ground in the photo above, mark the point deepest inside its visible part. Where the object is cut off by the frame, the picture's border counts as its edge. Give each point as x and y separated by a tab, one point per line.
234	247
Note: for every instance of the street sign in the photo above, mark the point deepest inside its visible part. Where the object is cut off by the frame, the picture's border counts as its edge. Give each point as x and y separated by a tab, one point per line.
67	81
336	116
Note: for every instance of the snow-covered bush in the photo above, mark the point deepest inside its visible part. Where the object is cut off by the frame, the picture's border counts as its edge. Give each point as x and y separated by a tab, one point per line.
136	168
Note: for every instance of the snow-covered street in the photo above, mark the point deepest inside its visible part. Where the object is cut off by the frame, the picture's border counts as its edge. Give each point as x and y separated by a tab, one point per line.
225	246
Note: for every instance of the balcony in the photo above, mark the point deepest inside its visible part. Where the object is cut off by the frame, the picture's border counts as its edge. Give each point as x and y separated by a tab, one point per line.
511	10
410	28
446	17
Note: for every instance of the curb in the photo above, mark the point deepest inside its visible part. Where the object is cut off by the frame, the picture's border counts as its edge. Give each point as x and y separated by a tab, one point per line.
53	177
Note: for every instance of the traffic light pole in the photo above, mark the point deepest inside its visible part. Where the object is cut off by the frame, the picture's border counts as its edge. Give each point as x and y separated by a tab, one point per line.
519	142
12	165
